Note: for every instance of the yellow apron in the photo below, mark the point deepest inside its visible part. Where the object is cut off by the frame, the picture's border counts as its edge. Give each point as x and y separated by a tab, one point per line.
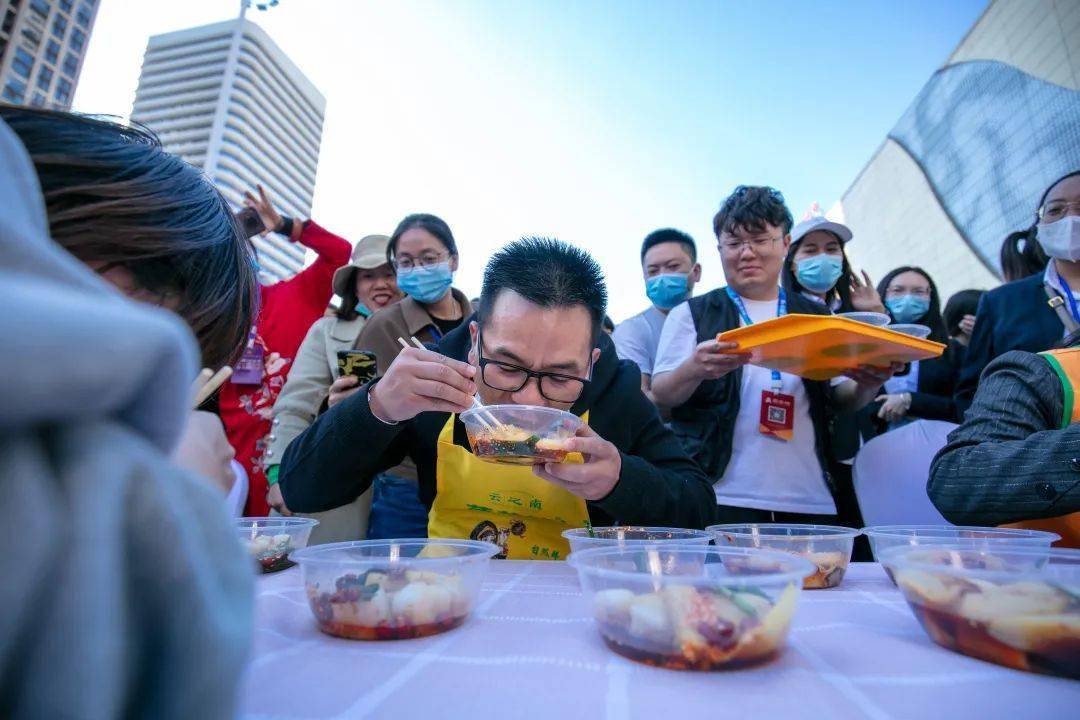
503	504
1066	363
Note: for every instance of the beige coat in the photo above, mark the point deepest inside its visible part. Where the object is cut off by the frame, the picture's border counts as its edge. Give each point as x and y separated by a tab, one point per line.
310	377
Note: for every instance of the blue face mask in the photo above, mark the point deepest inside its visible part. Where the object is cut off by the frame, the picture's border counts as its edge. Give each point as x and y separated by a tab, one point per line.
426	285
363	309
667	291
819	273
907	308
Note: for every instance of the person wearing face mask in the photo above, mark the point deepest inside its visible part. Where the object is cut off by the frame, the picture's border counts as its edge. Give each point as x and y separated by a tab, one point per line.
670	267
424	254
1034	313
537	340
924	390
366	285
817	267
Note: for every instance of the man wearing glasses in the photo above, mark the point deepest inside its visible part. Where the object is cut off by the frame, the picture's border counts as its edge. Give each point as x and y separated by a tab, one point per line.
760	435
537	340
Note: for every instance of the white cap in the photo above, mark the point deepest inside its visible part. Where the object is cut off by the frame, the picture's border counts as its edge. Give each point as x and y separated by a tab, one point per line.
820	222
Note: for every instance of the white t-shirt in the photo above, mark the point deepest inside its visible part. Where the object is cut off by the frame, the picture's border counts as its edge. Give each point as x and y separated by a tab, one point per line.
636	338
764	473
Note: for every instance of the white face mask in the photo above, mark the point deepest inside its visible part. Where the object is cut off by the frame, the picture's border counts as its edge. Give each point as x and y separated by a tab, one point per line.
1061	239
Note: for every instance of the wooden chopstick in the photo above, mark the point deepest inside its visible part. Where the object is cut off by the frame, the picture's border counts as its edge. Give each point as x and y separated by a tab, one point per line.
211	385
486	419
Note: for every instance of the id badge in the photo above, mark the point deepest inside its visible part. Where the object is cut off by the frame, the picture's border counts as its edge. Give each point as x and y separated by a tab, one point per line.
777	415
249	369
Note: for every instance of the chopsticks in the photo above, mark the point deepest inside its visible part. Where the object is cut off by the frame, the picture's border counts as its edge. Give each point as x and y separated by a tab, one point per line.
486	419
206	384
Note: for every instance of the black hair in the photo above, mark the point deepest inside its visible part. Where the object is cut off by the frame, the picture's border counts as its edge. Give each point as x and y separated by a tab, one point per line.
349	300
115	198
608	324
842	289
932	319
669	235
432	223
1021	254
963	302
751	207
548	273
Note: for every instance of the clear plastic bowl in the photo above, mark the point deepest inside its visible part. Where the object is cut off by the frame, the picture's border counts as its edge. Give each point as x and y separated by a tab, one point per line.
828	547
920	331
270	539
870	318
584	538
393	589
519	434
1017	607
883	537
691	607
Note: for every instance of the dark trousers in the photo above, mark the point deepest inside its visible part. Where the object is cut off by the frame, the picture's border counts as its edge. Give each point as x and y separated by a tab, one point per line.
396	510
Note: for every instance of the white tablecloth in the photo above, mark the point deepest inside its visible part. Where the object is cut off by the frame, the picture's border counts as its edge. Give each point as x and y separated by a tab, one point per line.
531	651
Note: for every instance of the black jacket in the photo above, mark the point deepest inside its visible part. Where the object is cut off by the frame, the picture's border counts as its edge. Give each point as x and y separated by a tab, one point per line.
1010	460
705	423
1014	316
337	457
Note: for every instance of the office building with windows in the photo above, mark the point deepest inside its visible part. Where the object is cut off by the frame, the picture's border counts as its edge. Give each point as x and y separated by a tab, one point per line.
968	161
227	99
42	45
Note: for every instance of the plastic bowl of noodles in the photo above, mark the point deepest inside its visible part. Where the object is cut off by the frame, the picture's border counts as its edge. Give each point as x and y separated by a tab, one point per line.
1017	607
828	547
691	607
393	589
519	434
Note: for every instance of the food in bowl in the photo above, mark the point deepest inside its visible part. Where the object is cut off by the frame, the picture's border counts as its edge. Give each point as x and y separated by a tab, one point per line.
519	434
393	589
882	537
269	540
828	547
1012	606
582	538
687	607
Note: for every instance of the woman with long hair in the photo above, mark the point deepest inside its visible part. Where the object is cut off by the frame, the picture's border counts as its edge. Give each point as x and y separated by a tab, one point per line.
817	266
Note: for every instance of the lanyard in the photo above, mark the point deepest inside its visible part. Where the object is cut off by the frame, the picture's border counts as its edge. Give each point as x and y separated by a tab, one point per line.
781	310
1069	298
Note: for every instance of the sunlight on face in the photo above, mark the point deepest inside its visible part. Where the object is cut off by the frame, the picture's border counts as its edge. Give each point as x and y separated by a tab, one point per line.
377	287
818	242
753	258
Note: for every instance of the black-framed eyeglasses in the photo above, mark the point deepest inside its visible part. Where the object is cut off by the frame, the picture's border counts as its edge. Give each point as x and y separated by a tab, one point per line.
511	378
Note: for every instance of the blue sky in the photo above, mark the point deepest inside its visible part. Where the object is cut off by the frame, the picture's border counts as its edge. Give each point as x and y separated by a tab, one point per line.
593	121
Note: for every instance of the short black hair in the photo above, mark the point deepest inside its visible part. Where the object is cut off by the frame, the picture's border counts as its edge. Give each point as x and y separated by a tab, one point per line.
115	198
963	302
669	235
609	324
548	273
425	221
750	207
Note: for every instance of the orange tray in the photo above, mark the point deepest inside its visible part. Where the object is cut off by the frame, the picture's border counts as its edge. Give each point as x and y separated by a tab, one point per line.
819	347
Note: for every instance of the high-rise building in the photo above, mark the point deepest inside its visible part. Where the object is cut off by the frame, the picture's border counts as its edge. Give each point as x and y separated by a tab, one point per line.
42	45
227	99
968	161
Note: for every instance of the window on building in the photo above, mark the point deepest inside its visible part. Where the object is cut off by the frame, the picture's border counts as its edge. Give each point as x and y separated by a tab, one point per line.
83	15
71	64
44	78
41	7
32	35
23	63
65	5
52	51
8	22
14	91
59	26
63	91
38	101
78	39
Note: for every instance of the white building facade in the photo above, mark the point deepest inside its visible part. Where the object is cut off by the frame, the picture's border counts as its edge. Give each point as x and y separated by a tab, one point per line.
225	98
967	162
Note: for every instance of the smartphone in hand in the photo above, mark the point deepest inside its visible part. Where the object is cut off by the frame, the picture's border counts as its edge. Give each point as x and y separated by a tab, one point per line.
250	222
358	363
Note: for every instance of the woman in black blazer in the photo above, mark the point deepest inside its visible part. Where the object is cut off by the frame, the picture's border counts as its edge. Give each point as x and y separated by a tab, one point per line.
1017	316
